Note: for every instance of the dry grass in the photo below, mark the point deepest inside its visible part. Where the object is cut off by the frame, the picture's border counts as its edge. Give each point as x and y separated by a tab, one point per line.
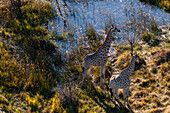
27	86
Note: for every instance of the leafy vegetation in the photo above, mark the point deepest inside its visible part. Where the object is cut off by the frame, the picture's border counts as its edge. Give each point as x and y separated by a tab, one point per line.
164	4
26	51
93	38
150	38
35	78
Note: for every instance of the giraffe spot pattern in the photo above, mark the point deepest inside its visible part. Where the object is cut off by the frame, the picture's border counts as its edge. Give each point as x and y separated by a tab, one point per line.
100	57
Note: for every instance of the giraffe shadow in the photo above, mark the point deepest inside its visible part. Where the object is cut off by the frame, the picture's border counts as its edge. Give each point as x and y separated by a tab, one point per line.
104	101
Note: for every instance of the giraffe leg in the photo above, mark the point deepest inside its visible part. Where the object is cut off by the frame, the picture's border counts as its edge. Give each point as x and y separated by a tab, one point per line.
89	74
101	71
104	74
114	97
127	91
84	73
124	96
114	94
117	96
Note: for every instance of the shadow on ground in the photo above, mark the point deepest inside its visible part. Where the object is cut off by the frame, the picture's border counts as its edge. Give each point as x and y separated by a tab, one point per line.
104	100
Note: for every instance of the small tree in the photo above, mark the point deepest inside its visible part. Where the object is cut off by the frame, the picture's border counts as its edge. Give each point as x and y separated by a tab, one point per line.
16	3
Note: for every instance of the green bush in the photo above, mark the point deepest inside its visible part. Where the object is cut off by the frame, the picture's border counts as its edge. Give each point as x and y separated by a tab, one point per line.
121	49
162	57
33	70
147	82
164	4
150	39
10	71
154	26
139	94
151	2
94	39
123	60
32	16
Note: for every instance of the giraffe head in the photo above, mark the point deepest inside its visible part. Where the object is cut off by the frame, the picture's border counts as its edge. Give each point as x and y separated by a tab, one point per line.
136	56
114	29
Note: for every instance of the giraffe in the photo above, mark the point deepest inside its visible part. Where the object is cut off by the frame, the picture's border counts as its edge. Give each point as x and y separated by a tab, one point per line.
122	81
100	56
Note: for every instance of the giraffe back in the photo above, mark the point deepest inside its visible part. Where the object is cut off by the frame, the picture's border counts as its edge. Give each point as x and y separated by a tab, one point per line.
96	59
119	81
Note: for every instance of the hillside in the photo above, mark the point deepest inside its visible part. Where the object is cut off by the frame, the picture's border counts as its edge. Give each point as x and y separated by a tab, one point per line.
35	78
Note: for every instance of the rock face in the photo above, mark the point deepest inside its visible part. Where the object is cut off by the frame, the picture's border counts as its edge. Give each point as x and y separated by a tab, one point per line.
165	31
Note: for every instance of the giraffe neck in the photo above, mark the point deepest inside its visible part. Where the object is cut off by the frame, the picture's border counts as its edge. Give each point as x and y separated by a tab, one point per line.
131	67
107	42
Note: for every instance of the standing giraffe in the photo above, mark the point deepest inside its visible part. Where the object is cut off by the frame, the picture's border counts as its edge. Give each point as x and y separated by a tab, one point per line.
122	81
99	58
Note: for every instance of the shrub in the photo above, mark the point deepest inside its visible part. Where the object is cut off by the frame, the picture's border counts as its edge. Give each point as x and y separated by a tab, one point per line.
123	60
32	69
164	4
165	98
151	2
162	56
55	104
94	39
121	49
167	78
147	99
154	27
139	94
137	80
144	84
140	64
11	73
3	100
164	69
154	70
157	101
148	82
32	16
156	110
139	105
150	39
68	99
